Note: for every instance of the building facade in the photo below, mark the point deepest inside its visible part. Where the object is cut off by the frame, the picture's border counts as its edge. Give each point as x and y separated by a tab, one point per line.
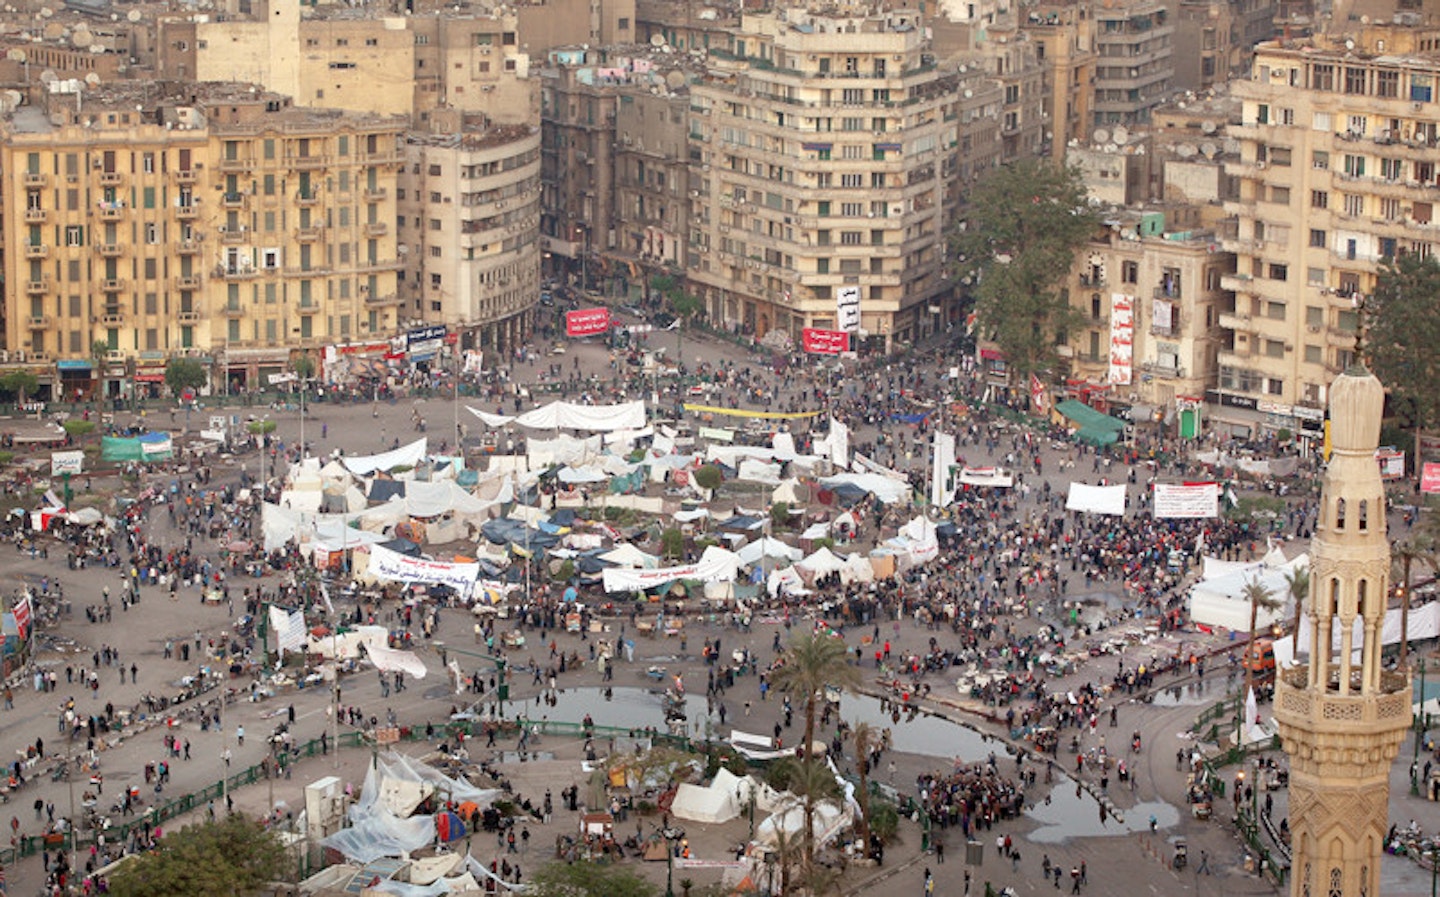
1135	68
1064	36
1337	173
214	222
469	210
822	145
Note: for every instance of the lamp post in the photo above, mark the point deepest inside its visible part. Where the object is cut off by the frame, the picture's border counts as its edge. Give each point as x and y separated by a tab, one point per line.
1419	733
671	835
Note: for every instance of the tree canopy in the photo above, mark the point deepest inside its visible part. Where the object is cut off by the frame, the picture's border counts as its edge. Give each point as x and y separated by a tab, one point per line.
184	373
19	384
233	856
1402	329
1022	226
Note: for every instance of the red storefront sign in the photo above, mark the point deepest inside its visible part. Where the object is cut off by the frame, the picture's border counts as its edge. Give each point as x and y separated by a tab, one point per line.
587	321
825	342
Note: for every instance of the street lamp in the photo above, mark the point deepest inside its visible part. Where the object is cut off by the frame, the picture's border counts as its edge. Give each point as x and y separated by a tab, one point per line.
1419	731
671	835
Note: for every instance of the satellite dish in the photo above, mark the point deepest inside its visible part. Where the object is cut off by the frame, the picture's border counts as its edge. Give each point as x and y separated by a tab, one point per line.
16	55
1128	233
97	49
1209	149
1119	134
1207	126
655	39
1231	145
1184	150
969	93
48	77
1110	147
675	80
1101	135
14	96
1349	44
133	15
1364	20
92	79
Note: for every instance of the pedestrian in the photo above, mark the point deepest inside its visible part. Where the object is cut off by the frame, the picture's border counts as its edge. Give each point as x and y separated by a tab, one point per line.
134	674
1075	879
240	735
939	852
1204	867
1084	878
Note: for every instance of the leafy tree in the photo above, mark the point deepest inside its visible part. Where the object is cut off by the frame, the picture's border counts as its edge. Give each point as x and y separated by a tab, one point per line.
709	477
672	543
589	880
1023	225
260	427
1402	328
866	740
812	781
684	304
184	373
811	662
1297	584
1420	546
1259	595
19	384
303	366
779	515
225	858
78	429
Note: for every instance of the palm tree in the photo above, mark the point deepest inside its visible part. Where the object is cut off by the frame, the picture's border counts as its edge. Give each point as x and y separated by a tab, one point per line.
865	737
1259	595
812	662
1420	546
1297	584
813	782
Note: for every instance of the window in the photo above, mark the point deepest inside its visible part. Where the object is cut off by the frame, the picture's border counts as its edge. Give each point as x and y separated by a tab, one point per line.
1275	386
1280	195
1356	125
1391	169
1354	165
1320	160
1278	271
1389	208
1130	272
1315	277
1387	84
623	24
1322	77
1319	199
1317	239
1354	80
74	235
851	238
1420	88
1314	316
852	209
1274	348
852	180
1354	204
1275	311
1314	355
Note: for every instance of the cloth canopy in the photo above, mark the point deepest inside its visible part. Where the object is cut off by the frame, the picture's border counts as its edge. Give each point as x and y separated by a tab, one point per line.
1109	500
716	564
392	566
1093	427
573	416
405	455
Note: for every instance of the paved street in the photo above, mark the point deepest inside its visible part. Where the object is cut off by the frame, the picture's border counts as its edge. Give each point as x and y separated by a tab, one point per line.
1123	859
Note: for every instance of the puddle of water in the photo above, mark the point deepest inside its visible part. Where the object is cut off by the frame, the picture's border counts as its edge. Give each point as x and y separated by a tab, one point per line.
1184	696
527	757
624	708
928	736
1067	816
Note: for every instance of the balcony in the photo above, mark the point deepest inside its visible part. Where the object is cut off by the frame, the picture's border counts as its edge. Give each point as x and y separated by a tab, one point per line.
1239	283
186	176
375	194
1172	293
186	211
237	235
232	200
111	213
1340	339
35	180
110	179
384	157
36	216
36	250
112	285
374	265
1385	714
235	164
37	287
109	250
235	272
187	282
305	199
233	311
376	229
307	234
189	317
382	301
306	163
187	247
1237	322
112	317
39	322
1092	281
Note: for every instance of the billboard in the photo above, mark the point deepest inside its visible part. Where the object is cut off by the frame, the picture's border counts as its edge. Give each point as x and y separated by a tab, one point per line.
587	321
1392	463
825	342
423	343
62	463
1187	500
847	309
1122	338
1430	478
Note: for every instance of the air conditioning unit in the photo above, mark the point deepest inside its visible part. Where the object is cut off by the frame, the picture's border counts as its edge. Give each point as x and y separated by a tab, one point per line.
1261	166
21	356
4	356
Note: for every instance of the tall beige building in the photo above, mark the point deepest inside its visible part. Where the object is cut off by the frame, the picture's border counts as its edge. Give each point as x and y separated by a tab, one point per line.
469	212
1338	171
212	221
1342	720
824	147
1135	68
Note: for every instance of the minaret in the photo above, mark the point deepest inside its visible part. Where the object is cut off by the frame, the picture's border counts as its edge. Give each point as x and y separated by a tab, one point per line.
1342	719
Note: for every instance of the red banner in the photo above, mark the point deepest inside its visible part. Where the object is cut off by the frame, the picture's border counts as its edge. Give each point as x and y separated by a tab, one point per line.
22	617
1430	478
825	342
587	321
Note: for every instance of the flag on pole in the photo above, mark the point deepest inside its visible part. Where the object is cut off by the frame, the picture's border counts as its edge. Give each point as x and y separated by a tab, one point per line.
1038	398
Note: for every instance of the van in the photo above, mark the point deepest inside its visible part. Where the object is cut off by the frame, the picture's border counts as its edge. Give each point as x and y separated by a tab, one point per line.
1259	658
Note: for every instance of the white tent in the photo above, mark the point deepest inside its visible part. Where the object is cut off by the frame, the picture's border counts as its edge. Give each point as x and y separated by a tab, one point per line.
767	546
707	805
823	561
627	555
1221	601
829	821
788	491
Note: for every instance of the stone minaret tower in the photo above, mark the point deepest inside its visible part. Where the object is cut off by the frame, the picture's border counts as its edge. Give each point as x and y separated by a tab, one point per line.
1342	719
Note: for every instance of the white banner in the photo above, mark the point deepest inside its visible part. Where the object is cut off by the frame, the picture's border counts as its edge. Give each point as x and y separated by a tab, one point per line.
160	447
289	629
1096	499
573	416
1122	338
943	459
389	660
1190	500
405	455
847	309
716	567
392	566
986	476
277	379
62	463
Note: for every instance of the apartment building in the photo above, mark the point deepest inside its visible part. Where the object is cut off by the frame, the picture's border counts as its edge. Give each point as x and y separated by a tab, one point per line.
216	221
1215	40
652	182
1337	172
824	143
1064	40
1135	69
469	207
1150	296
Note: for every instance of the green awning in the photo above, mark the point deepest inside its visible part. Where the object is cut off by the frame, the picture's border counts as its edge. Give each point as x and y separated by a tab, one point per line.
1092	426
